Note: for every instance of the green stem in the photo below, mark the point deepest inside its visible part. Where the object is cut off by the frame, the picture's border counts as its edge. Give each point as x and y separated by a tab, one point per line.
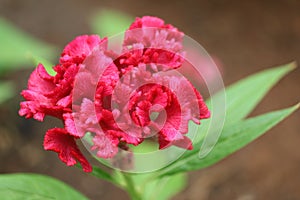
130	187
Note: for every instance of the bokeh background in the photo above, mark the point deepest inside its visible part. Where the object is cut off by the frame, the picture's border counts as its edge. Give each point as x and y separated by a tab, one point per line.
245	36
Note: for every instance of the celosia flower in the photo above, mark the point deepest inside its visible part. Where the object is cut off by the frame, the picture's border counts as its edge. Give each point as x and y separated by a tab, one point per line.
114	96
52	95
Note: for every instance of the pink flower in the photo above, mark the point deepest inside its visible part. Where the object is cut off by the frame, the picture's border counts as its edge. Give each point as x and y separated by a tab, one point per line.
38	104
93	110
77	50
52	95
119	99
175	101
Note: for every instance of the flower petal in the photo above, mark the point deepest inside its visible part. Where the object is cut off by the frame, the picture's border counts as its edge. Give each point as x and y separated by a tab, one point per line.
58	140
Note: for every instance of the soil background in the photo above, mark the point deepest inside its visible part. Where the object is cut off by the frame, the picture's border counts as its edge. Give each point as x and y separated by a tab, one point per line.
246	36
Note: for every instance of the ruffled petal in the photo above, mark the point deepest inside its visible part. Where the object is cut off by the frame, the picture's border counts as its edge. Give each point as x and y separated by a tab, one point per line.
78	49
58	140
150	41
37	104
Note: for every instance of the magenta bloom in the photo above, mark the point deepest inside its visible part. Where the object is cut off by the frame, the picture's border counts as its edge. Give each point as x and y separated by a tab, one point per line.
52	95
120	99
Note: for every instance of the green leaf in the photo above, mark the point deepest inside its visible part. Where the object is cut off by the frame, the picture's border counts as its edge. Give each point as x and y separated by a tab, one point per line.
46	63
16	45
35	187
243	96
232	139
110	22
161	188
165	188
7	91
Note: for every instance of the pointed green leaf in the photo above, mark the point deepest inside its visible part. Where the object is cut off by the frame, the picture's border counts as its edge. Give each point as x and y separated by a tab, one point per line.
16	45
232	139
46	63
241	99
35	187
243	96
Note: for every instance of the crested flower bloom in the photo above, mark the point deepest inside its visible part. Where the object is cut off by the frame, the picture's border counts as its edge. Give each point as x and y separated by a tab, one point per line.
52	95
121	99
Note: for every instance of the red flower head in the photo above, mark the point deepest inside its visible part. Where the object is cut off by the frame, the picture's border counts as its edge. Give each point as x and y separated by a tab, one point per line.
52	95
114	97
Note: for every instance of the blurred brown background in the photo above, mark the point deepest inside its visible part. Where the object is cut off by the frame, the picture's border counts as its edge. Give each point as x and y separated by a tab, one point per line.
246	36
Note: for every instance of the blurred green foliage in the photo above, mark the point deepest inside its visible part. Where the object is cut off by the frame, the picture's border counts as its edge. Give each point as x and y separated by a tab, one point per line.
17	51
6	90
16	47
107	23
34	186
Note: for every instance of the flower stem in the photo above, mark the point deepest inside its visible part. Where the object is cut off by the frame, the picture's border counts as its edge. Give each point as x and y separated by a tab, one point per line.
130	187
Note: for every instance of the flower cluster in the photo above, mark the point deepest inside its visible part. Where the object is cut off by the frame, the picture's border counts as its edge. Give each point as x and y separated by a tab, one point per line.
121	98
